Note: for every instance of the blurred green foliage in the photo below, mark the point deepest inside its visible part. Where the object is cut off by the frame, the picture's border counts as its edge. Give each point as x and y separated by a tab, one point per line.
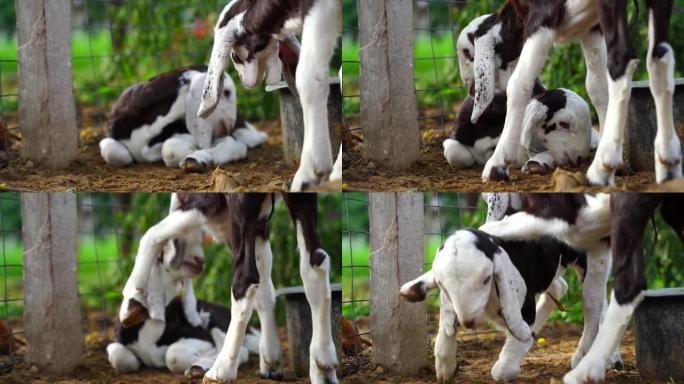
110	226
447	212
437	25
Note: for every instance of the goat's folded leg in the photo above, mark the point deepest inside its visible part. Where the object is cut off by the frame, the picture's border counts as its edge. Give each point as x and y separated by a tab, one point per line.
540	164
446	362
121	358
183	354
225	150
319	37
661	63
270	353
532	58
114	153
507	367
176	148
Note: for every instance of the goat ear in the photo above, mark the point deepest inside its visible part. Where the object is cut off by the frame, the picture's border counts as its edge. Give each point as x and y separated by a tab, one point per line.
274	67
156	296
416	290
497	205
485	75
511	289
224	38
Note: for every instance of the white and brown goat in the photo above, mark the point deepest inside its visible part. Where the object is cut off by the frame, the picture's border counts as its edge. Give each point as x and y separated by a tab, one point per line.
248	33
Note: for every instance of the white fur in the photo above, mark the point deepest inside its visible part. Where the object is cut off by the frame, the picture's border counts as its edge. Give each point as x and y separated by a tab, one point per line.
269	349
485	70
534	54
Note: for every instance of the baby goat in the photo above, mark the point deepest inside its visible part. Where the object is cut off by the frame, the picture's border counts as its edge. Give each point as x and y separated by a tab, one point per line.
519	38
242	221
557	127
586	222
157	120
248	33
483	277
188	334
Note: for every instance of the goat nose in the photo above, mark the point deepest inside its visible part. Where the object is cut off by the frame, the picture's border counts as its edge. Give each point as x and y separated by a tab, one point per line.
469	323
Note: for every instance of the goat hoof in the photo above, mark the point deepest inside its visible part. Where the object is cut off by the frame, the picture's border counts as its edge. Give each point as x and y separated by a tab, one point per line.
195	372
191	165
617	365
536	168
499	173
136	314
272	375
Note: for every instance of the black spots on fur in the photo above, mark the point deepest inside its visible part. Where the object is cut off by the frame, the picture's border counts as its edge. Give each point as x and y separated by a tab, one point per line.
318	257
226	93
490	124
564	206
485	242
176	128
554	100
549	128
468	55
210	204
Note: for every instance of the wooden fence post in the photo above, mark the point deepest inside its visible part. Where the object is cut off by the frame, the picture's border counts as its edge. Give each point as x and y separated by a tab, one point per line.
52	315
398	328
47	113
389	114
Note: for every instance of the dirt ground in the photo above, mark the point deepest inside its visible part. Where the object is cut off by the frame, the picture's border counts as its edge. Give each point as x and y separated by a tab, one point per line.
546	362
264	169
96	369
432	173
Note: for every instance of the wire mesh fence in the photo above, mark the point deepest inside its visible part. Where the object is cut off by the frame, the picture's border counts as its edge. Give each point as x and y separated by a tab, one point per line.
443	213
116	43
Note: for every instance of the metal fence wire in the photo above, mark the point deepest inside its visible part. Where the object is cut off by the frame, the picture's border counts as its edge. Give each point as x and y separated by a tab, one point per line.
107	242
116	43
443	213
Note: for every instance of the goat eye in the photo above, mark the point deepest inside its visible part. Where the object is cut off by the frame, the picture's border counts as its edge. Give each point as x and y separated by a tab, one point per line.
486	281
235	58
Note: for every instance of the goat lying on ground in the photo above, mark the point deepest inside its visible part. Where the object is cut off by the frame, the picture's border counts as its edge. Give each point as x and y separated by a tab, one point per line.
585	222
157	120
242	221
482	277
557	126
248	33
514	44
191	332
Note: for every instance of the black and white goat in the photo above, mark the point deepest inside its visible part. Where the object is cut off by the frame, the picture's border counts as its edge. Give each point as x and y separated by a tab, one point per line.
242	221
189	333
248	33
557	129
482	277
586	222
557	123
514	44
157	120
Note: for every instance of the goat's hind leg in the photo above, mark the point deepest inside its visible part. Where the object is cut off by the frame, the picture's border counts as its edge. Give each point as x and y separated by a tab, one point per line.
661	63
319	37
314	266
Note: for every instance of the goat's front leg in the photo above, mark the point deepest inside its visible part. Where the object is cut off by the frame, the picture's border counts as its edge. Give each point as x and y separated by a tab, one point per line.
319	37
225	150
224	369
593	298
507	367
540	164
519	90
270	355
621	65
595	57
446	345
661	63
